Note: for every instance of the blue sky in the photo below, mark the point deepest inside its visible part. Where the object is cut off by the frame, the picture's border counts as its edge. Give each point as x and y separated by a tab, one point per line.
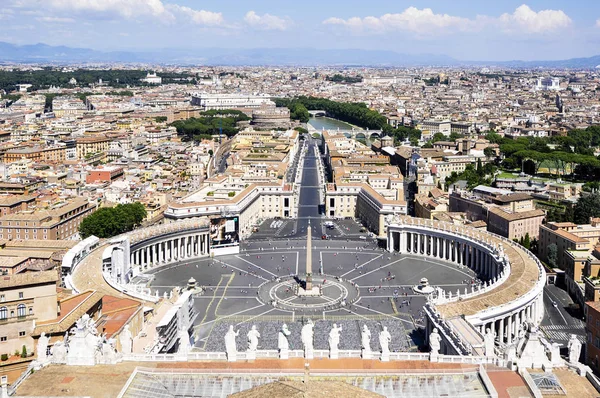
464	29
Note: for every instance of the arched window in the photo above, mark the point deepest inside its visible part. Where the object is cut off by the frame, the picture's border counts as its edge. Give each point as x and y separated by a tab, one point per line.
21	310
3	313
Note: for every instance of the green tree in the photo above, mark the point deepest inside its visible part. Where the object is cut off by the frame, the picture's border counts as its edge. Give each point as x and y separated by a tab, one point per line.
110	221
527	241
489	152
587	206
438	137
552	255
24	352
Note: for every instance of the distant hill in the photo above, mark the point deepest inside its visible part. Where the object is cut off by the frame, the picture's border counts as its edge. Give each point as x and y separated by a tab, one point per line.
43	53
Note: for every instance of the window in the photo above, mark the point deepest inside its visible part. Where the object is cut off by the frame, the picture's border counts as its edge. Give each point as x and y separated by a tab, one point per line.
22	333
3	313
21	310
3	338
2	298
20	295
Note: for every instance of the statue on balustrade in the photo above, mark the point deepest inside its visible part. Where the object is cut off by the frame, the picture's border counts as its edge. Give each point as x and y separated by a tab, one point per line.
42	348
334	341
365	342
385	339
435	342
253	336
307	335
230	346
282	338
574	349
488	343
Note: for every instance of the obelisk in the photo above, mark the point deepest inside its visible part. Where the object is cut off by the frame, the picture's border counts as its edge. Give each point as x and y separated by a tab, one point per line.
308	287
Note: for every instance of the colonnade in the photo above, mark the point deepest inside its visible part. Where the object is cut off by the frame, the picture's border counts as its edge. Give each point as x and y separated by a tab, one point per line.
483	259
448	248
171	249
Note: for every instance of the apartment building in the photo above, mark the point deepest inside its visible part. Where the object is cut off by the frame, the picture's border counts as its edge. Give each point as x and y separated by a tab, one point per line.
88	146
568	236
592	328
58	222
233	196
25	299
515	225
38	154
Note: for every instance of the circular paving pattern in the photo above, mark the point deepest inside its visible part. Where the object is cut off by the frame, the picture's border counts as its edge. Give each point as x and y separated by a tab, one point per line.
330	292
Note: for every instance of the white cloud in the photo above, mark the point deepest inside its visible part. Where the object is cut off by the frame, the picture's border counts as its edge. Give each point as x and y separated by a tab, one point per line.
527	20
266	21
55	20
598	23
426	22
123	8
412	19
200	17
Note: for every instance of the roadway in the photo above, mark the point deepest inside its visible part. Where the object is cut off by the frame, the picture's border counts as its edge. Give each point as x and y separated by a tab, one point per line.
309	198
559	322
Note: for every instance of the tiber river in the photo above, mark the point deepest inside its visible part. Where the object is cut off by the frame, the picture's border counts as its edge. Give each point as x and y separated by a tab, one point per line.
328	123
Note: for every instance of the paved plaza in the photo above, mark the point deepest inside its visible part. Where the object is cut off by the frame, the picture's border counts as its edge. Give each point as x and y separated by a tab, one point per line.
234	286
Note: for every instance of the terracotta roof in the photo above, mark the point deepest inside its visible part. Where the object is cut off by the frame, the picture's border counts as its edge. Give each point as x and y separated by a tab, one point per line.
513	197
517	215
72	309
116	312
28	278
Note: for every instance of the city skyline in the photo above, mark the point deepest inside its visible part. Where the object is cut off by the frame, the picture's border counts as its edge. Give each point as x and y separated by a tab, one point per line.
464	30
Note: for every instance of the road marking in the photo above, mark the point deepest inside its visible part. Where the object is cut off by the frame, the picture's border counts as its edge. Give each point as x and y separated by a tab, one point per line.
377	269
254	265
362	265
211	301
224	292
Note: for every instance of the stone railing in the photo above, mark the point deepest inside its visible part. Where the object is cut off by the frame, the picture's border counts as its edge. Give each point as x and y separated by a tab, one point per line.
13	387
446	329
131	290
318	354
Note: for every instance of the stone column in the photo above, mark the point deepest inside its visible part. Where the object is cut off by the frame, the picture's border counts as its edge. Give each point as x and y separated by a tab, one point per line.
391	242
501	330
509	330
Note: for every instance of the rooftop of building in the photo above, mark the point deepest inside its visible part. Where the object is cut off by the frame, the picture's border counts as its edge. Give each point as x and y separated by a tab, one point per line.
28	278
515	216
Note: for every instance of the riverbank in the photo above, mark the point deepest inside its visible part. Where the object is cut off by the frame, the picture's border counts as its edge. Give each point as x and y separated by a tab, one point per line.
328	123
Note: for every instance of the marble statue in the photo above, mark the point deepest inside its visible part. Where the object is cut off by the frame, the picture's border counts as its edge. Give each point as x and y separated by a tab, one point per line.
521	336
488	343
574	349
435	342
84	343
384	342
126	340
230	346
42	348
253	336
334	341
555	353
365	341
59	352
282	342
307	335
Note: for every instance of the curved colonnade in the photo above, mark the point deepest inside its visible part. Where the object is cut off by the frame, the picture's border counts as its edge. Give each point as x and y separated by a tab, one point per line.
134	253
511	295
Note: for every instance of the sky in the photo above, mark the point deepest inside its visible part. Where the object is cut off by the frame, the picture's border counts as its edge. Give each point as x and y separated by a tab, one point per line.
489	30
